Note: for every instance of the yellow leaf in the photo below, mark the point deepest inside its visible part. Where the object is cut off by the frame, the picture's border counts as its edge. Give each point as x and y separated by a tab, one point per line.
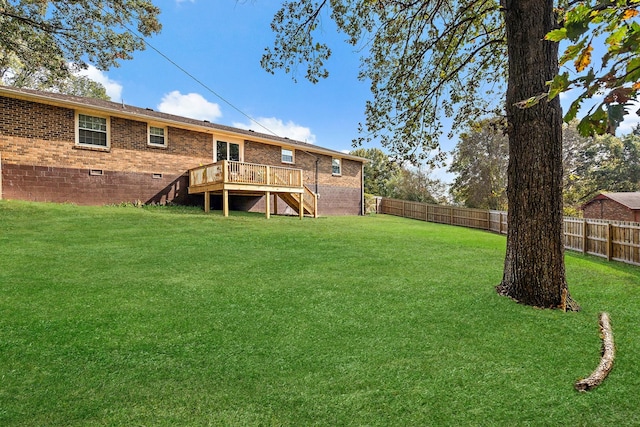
584	59
636	86
629	13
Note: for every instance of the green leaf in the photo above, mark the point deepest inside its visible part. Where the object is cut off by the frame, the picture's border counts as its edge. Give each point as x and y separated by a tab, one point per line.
559	84
556	35
573	109
595	123
616	37
572	51
633	70
577	21
576	29
615	116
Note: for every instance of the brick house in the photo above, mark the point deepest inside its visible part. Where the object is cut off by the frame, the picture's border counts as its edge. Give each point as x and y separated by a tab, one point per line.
623	206
61	148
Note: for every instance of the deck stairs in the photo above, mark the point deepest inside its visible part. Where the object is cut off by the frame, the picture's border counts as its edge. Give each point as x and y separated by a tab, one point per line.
310	202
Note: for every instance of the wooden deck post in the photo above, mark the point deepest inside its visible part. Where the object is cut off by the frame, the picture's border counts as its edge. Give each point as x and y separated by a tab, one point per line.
207	201
225	202
301	209
275	203
315	206
225	171
267	201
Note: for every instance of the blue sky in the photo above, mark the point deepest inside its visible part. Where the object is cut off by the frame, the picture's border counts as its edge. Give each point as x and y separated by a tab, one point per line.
220	42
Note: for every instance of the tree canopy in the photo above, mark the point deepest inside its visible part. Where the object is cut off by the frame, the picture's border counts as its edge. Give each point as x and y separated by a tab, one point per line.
15	74
608	164
609	26
425	60
384	177
480	164
379	171
55	37
590	164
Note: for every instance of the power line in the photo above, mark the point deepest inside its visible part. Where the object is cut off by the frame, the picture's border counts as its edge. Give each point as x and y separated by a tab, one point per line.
207	87
194	78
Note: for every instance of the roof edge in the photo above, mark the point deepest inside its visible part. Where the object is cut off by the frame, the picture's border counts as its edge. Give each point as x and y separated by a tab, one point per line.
141	114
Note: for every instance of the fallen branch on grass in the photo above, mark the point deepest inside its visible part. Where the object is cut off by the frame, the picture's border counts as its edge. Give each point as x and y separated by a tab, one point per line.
606	361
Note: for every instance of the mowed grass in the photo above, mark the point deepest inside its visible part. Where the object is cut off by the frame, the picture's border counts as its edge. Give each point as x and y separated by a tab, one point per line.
157	316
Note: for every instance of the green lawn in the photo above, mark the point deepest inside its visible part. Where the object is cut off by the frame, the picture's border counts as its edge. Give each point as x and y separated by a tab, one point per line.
156	316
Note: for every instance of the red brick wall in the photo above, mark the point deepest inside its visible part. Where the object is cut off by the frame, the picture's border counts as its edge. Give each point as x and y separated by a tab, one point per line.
608	209
263	154
339	195
62	185
333	201
41	162
27	119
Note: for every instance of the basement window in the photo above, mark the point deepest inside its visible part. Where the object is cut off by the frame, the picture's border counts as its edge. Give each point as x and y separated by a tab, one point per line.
96	172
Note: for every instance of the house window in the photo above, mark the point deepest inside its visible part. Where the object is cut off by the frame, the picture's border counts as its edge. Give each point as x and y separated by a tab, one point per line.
93	131
287	156
227	151
157	136
336	166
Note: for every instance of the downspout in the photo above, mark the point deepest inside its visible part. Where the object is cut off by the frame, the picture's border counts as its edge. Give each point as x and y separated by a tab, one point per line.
316	172
362	206
317	175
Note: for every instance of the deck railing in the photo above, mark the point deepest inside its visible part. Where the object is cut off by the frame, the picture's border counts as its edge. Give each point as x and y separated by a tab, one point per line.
232	172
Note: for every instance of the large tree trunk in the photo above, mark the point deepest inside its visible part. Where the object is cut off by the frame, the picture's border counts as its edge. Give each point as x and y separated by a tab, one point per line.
534	271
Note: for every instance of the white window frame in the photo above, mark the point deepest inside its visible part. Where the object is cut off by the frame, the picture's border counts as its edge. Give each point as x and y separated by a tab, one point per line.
149	135
291	155
107	130
339	163
228	141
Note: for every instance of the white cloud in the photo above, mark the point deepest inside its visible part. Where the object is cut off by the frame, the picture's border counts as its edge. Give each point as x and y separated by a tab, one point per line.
191	105
113	88
182	1
631	120
567	95
280	128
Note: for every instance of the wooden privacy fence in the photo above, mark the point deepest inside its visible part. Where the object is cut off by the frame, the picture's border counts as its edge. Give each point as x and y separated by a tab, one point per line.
614	240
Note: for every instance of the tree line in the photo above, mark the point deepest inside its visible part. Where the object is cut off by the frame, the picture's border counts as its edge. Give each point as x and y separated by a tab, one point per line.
591	165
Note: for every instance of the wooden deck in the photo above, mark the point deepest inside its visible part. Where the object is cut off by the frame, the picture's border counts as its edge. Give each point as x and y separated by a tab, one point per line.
229	177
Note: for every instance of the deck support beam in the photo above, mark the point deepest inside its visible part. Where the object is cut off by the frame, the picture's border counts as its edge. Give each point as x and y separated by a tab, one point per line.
267	201
207	201
301	208
225	202
275	204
